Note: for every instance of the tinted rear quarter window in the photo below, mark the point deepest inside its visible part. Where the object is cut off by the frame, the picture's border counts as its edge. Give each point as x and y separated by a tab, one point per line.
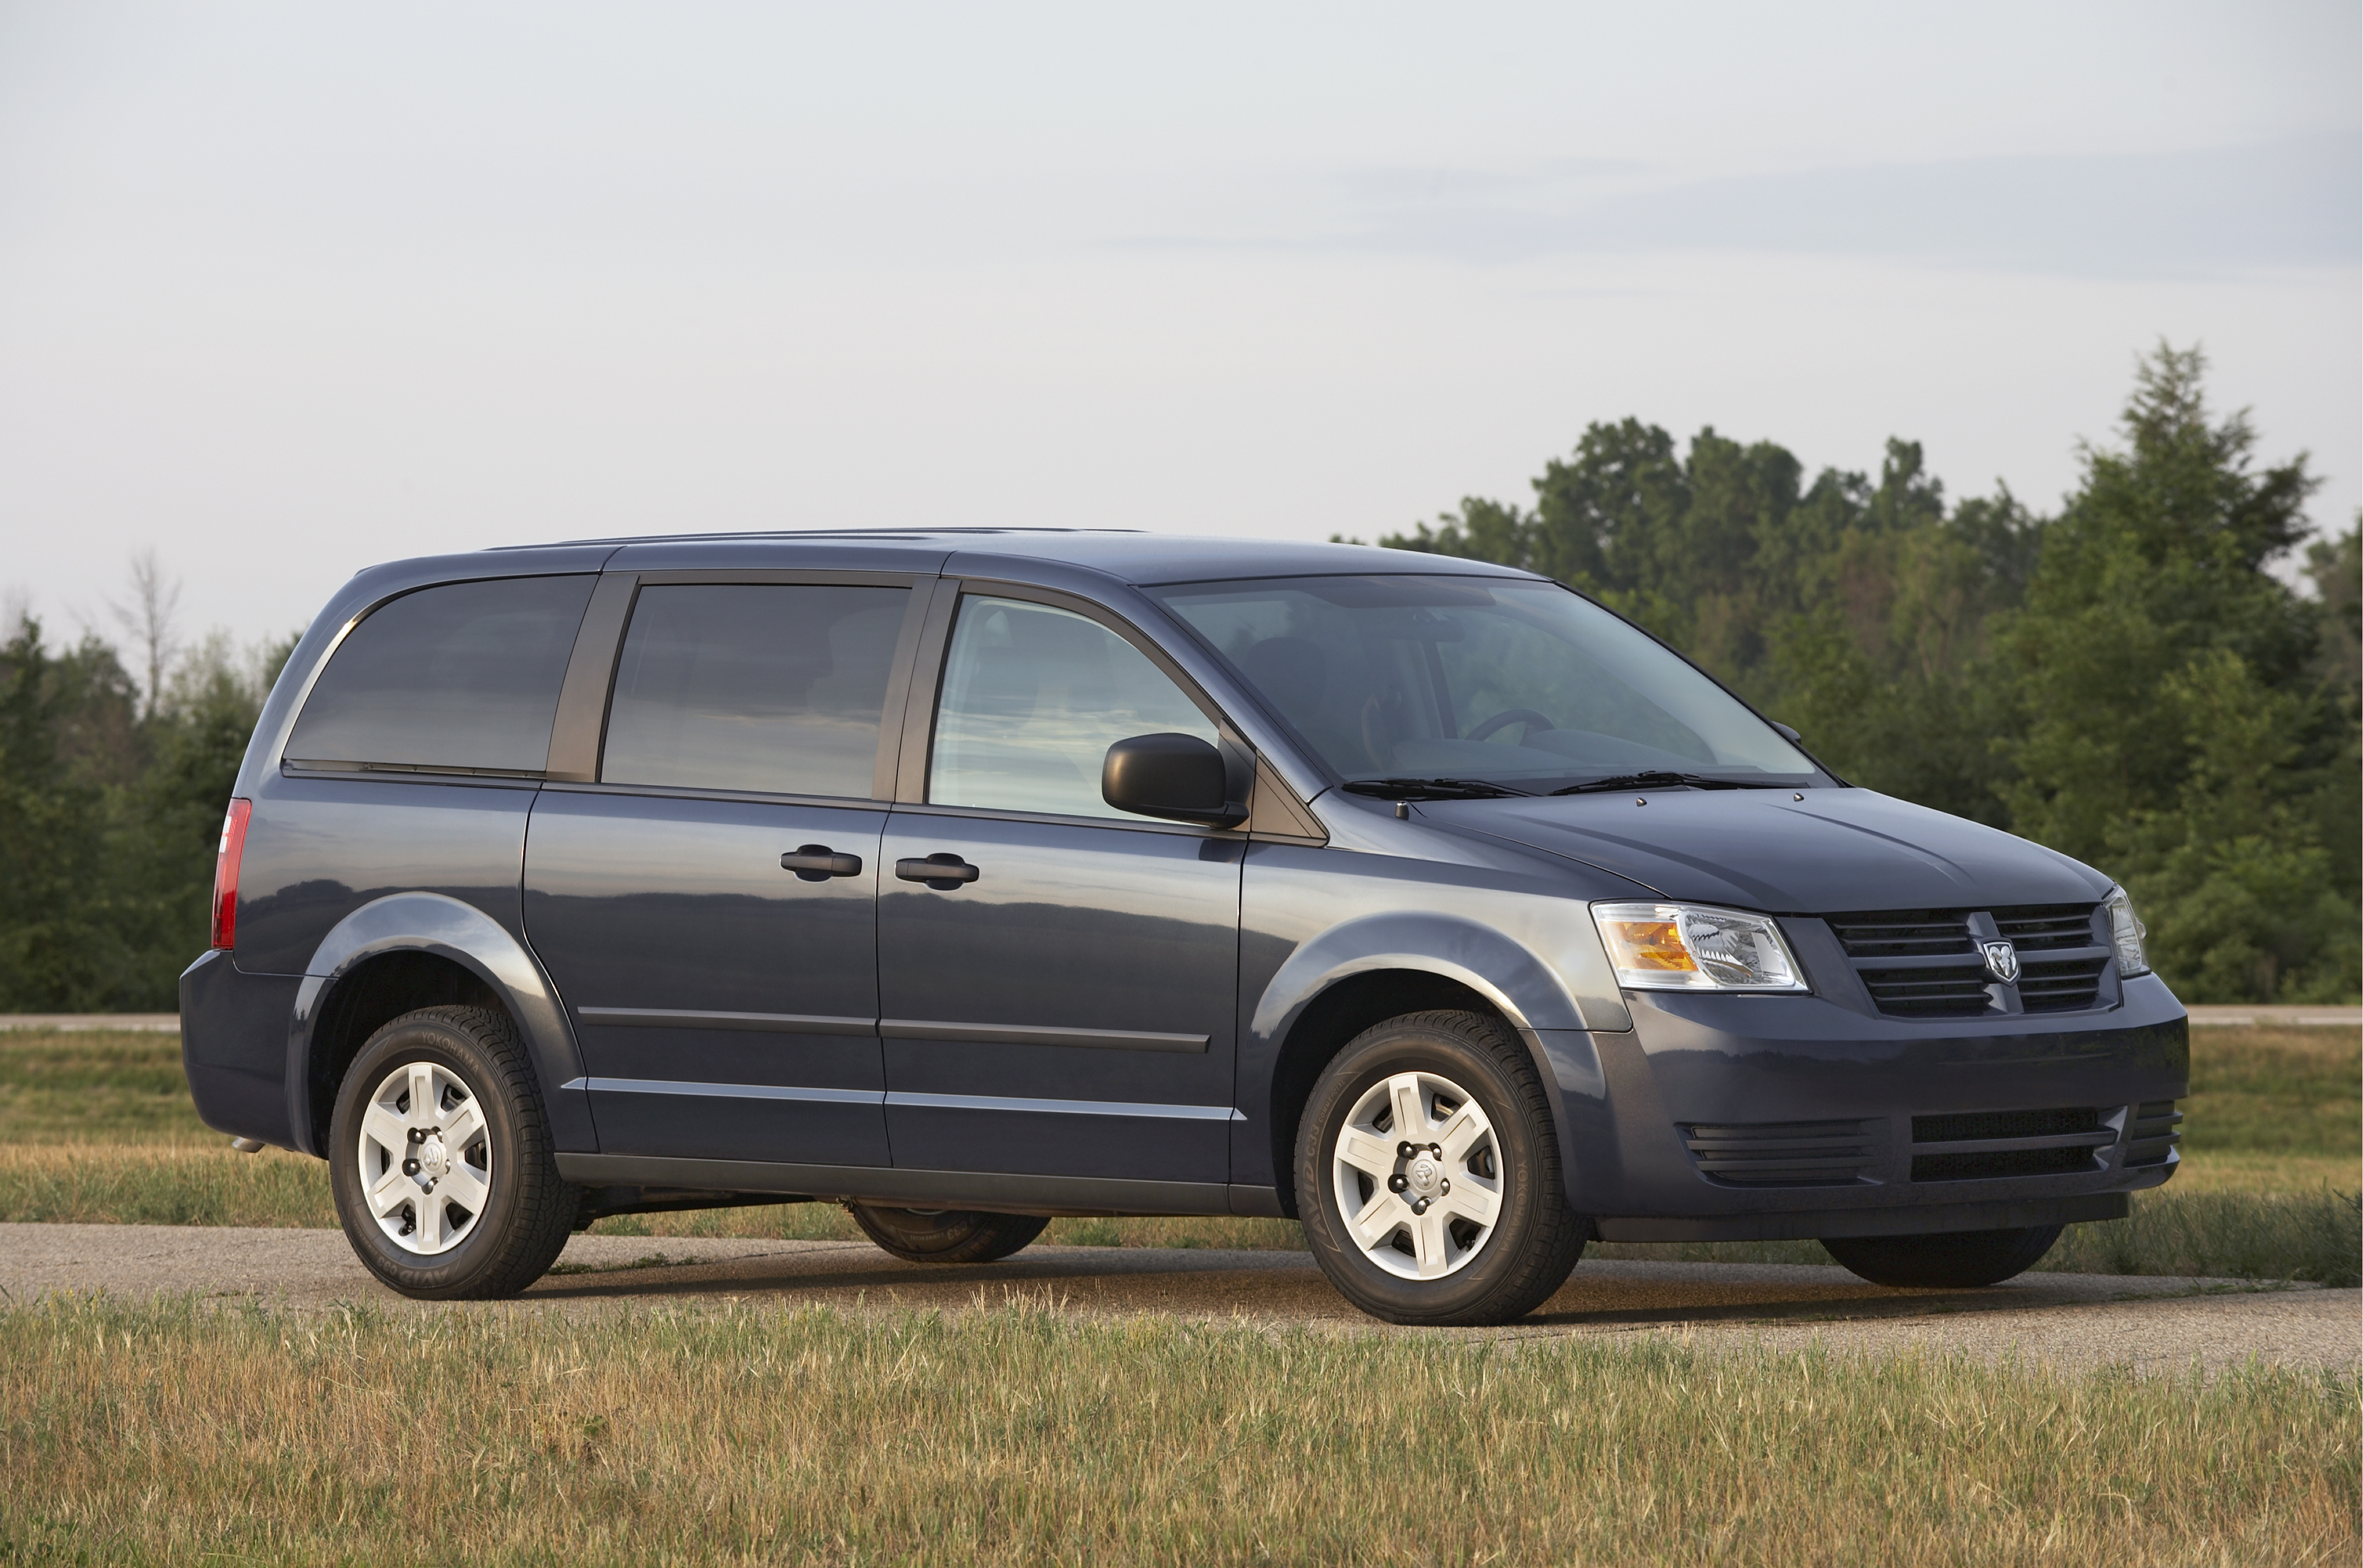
777	689
458	678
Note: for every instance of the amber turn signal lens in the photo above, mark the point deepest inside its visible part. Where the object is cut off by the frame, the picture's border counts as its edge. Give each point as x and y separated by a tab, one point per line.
1651	945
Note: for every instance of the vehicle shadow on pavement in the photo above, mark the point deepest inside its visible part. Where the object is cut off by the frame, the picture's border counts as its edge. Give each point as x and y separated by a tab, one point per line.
1272	1284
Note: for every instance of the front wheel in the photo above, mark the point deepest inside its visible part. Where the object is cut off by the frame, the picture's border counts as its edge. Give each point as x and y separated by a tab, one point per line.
946	1235
1428	1174
441	1158
1947	1260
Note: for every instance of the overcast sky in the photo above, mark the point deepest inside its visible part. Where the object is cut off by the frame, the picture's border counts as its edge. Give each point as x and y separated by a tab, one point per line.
286	290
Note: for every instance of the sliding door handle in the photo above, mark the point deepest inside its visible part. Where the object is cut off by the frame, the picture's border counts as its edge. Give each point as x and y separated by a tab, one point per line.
818	862
943	872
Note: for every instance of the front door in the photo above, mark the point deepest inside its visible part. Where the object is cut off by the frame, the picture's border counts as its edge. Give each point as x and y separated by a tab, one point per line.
708	908
1057	979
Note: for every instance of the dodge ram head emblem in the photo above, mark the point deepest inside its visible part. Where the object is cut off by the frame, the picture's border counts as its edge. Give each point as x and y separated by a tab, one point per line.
2001	960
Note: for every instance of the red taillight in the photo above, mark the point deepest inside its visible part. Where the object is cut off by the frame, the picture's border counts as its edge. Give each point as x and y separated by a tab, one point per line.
233	845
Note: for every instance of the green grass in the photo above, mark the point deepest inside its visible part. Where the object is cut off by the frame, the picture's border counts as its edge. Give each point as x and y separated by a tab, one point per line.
169	1431
95	1086
2275	1091
98	1128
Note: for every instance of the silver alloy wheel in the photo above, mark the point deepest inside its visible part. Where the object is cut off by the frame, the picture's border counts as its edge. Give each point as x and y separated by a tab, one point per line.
1418	1175
426	1158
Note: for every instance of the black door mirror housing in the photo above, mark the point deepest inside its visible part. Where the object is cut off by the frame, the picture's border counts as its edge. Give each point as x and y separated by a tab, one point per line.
1177	777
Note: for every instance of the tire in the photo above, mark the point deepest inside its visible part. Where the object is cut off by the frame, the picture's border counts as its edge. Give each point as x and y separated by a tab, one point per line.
1389	1259
1948	1260
415	1228
946	1235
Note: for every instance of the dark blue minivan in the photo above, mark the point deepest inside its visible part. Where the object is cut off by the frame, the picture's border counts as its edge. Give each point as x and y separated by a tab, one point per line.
968	877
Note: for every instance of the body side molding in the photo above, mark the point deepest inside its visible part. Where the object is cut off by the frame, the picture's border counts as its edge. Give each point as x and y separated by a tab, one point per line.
756	1023
1025	1034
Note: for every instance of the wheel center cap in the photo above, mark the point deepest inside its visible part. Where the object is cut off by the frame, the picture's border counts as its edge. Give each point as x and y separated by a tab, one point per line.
1424	1174
434	1159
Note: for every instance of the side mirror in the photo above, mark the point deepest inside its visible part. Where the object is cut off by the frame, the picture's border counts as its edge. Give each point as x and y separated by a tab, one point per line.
1177	777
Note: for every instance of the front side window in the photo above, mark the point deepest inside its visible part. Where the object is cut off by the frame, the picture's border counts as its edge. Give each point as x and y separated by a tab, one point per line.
462	678
772	687
1500	680
1033	697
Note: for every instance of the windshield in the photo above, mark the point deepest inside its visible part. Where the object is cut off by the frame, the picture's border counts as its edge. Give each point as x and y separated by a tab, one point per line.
1501	682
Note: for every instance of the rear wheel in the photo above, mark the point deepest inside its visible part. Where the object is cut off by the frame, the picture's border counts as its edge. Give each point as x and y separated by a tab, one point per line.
1948	1260
946	1235
1428	1174
440	1159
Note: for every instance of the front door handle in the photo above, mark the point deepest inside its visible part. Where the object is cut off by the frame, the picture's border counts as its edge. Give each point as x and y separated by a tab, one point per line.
818	862
943	872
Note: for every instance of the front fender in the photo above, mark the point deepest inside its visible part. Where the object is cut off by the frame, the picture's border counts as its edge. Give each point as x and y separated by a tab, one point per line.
1526	991
447	928
1486	960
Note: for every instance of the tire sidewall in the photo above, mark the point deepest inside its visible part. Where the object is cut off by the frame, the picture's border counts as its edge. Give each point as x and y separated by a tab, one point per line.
1527	1170
448	1047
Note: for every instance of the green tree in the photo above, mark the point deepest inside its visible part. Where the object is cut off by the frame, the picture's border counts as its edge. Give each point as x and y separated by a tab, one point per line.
57	949
2238	890
2158	561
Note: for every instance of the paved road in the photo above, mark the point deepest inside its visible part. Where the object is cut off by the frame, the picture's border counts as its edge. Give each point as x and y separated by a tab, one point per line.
2070	1320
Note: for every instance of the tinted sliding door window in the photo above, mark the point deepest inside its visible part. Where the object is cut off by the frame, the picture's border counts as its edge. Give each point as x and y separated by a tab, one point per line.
1033	697
773	687
462	678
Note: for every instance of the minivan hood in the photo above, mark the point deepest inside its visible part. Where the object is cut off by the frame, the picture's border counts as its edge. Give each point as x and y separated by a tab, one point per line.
1835	850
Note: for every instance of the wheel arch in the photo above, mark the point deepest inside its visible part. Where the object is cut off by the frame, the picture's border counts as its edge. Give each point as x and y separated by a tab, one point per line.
411	950
1366	971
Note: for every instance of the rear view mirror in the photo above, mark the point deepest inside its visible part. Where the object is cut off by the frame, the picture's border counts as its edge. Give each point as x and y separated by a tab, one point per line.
1177	777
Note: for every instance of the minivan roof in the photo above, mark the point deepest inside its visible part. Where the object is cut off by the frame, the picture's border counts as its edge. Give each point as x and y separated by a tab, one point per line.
1128	554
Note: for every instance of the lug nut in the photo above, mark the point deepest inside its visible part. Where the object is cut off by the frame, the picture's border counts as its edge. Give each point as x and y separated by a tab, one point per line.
1436	1148
419	1134
1419	1205
1443	1188
1397	1182
410	1167
1406	1149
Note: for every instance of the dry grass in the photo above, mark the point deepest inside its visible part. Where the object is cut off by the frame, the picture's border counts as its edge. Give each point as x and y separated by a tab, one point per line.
169	1433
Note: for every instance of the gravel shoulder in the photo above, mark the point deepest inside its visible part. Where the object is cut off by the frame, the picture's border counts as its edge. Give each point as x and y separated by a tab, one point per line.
2071	1321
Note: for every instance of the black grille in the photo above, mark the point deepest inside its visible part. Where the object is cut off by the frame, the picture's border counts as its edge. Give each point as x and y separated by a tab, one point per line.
1903	933
1782	1154
1979	1125
2060	985
2152	1136
2046	930
1953	991
2000	1163
1927	963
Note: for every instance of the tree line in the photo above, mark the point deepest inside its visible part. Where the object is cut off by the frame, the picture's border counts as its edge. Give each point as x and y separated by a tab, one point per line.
112	790
2126	680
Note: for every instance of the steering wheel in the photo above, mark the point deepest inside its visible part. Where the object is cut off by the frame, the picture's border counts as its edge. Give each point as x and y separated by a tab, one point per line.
1508	716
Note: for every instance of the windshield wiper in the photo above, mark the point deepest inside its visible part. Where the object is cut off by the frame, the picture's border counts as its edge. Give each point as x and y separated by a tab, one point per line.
1661	780
1430	788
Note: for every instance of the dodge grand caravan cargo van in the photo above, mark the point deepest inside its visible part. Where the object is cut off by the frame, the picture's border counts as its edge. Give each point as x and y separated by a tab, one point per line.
970	877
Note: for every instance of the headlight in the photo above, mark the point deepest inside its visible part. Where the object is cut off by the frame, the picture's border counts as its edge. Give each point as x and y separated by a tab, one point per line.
1688	947
2126	931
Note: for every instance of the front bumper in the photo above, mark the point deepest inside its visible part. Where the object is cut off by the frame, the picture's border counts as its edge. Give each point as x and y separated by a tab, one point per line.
1739	1117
